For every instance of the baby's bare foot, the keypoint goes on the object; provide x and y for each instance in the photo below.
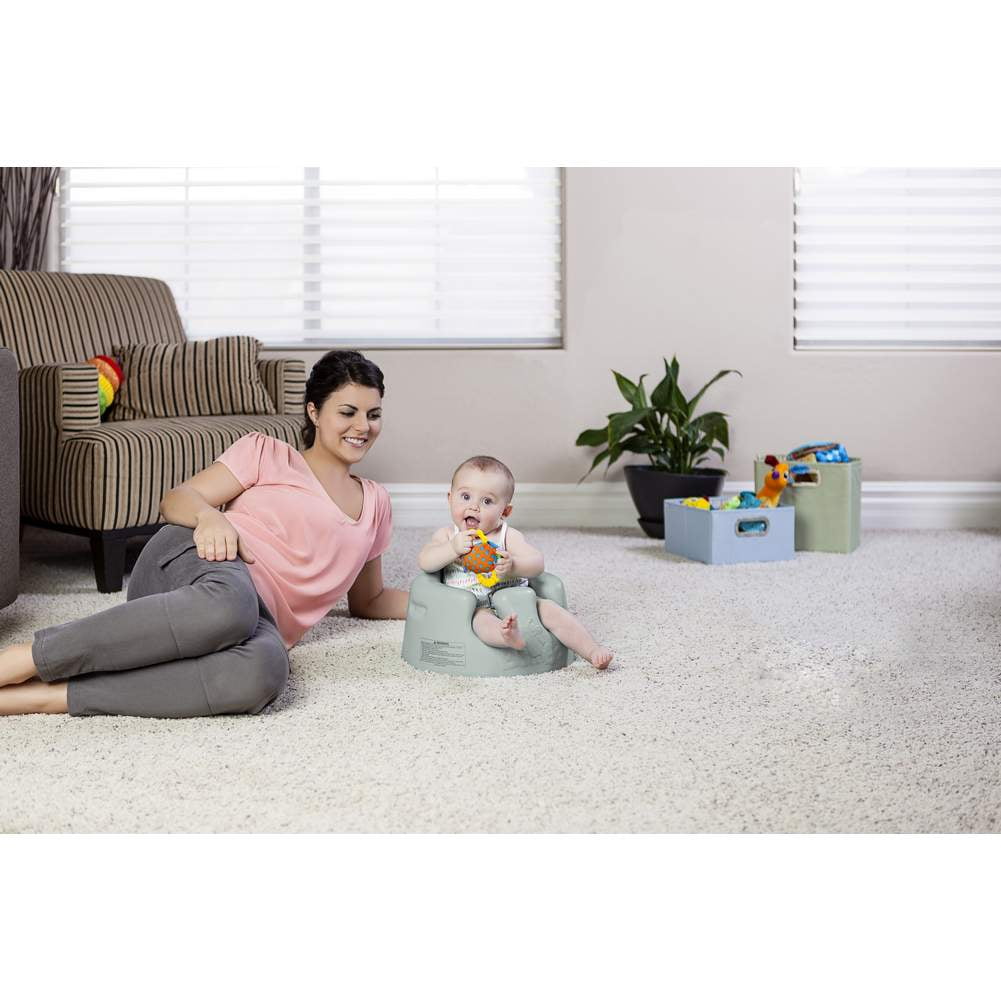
(511, 634)
(600, 657)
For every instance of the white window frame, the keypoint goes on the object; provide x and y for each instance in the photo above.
(897, 259)
(527, 212)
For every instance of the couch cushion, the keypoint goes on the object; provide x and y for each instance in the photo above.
(115, 475)
(211, 378)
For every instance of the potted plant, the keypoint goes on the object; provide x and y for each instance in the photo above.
(665, 428)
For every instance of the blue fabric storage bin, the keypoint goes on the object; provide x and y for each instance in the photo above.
(752, 535)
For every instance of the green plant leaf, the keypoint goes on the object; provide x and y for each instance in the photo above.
(592, 437)
(619, 424)
(601, 455)
(640, 443)
(715, 378)
(641, 400)
(628, 389)
(714, 426)
(679, 404)
(662, 396)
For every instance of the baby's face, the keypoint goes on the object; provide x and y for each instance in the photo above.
(478, 500)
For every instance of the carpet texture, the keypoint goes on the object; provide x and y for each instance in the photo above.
(830, 693)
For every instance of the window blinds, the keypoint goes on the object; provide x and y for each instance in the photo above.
(897, 258)
(319, 257)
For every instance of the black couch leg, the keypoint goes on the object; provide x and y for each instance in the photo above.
(109, 560)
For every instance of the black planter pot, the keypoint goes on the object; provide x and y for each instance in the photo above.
(650, 487)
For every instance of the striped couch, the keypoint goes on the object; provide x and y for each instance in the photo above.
(10, 548)
(106, 479)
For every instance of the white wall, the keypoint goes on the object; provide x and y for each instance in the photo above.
(695, 262)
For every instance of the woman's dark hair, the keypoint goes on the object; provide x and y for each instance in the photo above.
(333, 370)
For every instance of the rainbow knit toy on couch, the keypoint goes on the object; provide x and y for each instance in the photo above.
(109, 378)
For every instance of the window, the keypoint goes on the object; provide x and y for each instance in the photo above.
(897, 258)
(325, 257)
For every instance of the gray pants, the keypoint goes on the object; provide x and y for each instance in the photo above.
(193, 638)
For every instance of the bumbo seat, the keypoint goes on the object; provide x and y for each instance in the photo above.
(438, 635)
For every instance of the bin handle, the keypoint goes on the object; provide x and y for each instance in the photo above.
(757, 527)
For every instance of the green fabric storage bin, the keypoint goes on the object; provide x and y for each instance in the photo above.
(828, 502)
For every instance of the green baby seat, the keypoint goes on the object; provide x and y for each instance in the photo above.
(438, 635)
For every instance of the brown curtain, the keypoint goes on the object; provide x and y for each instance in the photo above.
(26, 195)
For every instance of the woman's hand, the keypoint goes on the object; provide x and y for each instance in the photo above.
(217, 539)
(464, 541)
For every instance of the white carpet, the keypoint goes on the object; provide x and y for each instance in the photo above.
(831, 693)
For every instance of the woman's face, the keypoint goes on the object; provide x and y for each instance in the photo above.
(348, 422)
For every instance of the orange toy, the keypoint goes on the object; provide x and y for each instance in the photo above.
(480, 560)
(775, 483)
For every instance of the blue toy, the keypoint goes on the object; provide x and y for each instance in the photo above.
(821, 451)
(741, 501)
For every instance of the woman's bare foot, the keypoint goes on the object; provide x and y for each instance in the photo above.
(34, 697)
(511, 634)
(600, 657)
(16, 664)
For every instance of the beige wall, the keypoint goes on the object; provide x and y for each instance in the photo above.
(695, 262)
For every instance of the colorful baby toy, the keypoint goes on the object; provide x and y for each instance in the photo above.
(481, 560)
(820, 451)
(781, 476)
(744, 499)
(739, 502)
(109, 378)
(775, 483)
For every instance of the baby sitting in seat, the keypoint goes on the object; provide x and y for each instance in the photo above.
(480, 500)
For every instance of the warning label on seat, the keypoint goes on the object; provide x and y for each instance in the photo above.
(438, 653)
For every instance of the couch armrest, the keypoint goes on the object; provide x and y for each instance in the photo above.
(60, 398)
(285, 381)
(10, 483)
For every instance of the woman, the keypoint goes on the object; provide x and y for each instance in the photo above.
(210, 614)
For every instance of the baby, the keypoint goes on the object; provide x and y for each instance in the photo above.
(480, 499)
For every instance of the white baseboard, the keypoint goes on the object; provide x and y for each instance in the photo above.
(913, 505)
(536, 505)
(931, 505)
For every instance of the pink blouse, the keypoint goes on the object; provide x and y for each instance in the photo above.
(307, 551)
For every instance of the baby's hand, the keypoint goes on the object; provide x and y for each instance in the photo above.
(464, 541)
(504, 567)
